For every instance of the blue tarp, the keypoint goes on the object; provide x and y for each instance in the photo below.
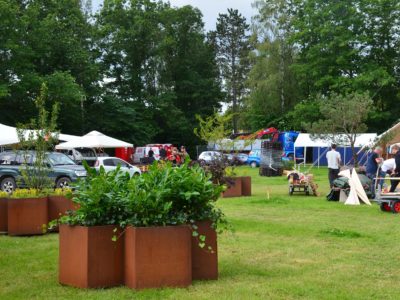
(347, 157)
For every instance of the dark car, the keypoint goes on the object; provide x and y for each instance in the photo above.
(62, 169)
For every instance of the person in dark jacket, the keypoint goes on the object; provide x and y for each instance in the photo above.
(396, 173)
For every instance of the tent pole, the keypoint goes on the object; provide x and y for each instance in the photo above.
(294, 157)
(319, 149)
(305, 156)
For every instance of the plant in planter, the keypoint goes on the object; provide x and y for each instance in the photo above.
(88, 257)
(214, 130)
(27, 209)
(157, 239)
(3, 211)
(27, 212)
(195, 194)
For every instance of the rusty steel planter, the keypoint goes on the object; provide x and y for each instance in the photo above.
(246, 186)
(234, 190)
(3, 215)
(158, 257)
(205, 261)
(89, 258)
(58, 207)
(27, 216)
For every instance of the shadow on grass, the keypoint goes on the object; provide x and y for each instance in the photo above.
(335, 232)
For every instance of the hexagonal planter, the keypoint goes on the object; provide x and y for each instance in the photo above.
(27, 216)
(158, 257)
(235, 190)
(57, 207)
(205, 260)
(3, 215)
(246, 186)
(89, 258)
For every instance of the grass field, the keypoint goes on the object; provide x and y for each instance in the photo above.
(283, 248)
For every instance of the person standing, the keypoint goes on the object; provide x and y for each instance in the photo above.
(396, 173)
(334, 160)
(373, 162)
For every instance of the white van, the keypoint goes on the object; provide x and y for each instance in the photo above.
(142, 152)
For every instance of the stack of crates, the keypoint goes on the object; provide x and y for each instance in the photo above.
(271, 159)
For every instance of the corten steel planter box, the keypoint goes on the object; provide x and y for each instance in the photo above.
(246, 186)
(88, 257)
(27, 216)
(3, 215)
(158, 257)
(58, 207)
(235, 190)
(205, 261)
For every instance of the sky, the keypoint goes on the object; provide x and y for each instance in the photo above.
(209, 8)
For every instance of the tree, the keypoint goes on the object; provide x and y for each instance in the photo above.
(342, 115)
(39, 135)
(232, 44)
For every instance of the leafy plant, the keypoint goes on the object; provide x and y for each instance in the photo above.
(27, 193)
(61, 192)
(101, 198)
(39, 135)
(4, 194)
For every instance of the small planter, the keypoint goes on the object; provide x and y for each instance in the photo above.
(235, 190)
(58, 207)
(246, 186)
(205, 261)
(158, 257)
(89, 258)
(27, 216)
(3, 215)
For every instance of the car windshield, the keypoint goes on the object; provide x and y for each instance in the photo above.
(59, 159)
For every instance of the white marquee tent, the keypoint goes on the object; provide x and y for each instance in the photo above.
(9, 136)
(94, 139)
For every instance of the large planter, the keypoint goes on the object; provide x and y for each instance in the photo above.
(58, 207)
(246, 186)
(234, 189)
(89, 258)
(158, 257)
(27, 216)
(205, 260)
(3, 215)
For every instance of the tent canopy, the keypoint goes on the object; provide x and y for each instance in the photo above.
(94, 139)
(9, 136)
(306, 140)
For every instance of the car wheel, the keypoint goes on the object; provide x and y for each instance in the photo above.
(8, 185)
(63, 182)
(253, 164)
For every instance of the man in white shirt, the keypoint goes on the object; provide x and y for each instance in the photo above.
(334, 160)
(389, 166)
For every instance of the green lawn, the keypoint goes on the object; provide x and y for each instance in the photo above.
(283, 248)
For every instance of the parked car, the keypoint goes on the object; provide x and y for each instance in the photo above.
(254, 158)
(63, 170)
(78, 155)
(241, 158)
(210, 156)
(111, 163)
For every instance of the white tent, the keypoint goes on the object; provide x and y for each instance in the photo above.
(305, 140)
(9, 136)
(357, 191)
(94, 139)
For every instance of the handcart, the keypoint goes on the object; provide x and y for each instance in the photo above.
(387, 201)
(300, 187)
(301, 184)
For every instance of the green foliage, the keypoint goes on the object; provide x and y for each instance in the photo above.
(214, 128)
(27, 193)
(4, 194)
(344, 115)
(102, 199)
(232, 46)
(164, 196)
(39, 135)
